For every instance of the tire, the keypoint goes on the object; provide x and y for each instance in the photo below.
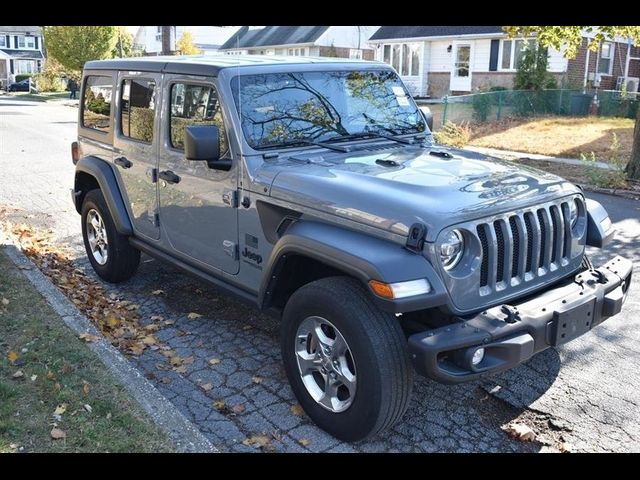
(122, 259)
(378, 351)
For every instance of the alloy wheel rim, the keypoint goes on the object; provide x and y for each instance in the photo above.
(97, 237)
(325, 363)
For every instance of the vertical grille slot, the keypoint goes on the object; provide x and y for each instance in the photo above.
(543, 238)
(501, 250)
(566, 245)
(558, 240)
(515, 234)
(529, 233)
(484, 268)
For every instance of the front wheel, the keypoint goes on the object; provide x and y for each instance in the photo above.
(346, 360)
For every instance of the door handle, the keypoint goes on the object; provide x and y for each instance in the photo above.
(123, 162)
(169, 177)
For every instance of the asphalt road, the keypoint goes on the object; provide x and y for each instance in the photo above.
(585, 393)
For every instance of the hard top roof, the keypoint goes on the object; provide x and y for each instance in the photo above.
(209, 64)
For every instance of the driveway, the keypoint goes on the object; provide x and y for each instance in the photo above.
(586, 393)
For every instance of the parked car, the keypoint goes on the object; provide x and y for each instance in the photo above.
(25, 85)
(312, 188)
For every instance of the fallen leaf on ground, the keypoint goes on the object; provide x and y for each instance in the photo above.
(304, 442)
(86, 389)
(133, 306)
(157, 292)
(219, 405)
(188, 360)
(66, 368)
(109, 416)
(149, 340)
(152, 327)
(176, 361)
(87, 407)
(206, 387)
(297, 410)
(113, 322)
(238, 408)
(214, 361)
(165, 380)
(24, 267)
(18, 374)
(87, 337)
(57, 387)
(565, 447)
(181, 369)
(50, 375)
(247, 327)
(34, 377)
(137, 349)
(169, 322)
(257, 440)
(156, 318)
(5, 301)
(12, 356)
(521, 432)
(58, 434)
(193, 316)
(257, 379)
(60, 409)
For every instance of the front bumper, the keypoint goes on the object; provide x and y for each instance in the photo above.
(510, 334)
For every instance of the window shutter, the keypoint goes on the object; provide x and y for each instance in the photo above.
(11, 65)
(493, 59)
(37, 46)
(16, 40)
(8, 41)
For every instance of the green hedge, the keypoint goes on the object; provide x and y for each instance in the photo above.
(23, 76)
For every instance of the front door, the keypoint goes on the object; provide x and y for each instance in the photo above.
(198, 213)
(135, 145)
(461, 68)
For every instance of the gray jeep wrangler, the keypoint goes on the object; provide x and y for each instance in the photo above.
(312, 189)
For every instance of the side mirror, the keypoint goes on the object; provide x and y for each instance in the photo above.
(202, 144)
(428, 117)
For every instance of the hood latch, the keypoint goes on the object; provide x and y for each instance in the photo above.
(417, 234)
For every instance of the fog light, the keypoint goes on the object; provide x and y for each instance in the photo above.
(477, 357)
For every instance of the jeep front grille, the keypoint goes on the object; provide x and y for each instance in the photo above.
(518, 247)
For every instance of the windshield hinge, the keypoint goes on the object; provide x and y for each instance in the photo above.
(415, 239)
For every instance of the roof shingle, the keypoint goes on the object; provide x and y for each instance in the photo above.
(392, 32)
(273, 35)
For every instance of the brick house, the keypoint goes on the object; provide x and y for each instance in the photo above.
(440, 60)
(20, 51)
(336, 41)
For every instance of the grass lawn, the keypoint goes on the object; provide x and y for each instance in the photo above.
(40, 97)
(45, 369)
(557, 136)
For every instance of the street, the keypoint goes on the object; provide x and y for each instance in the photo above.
(585, 394)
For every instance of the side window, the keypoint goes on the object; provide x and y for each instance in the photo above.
(194, 105)
(96, 104)
(137, 109)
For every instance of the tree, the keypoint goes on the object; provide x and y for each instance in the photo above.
(72, 46)
(186, 46)
(570, 38)
(124, 45)
(531, 73)
(166, 40)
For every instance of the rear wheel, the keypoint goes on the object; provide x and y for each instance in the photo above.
(346, 359)
(109, 252)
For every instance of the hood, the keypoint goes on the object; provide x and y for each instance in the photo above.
(394, 188)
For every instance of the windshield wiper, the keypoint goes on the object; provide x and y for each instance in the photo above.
(355, 136)
(302, 141)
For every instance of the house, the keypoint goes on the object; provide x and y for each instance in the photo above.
(20, 51)
(207, 39)
(336, 41)
(439, 60)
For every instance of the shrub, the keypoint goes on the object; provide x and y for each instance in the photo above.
(453, 135)
(47, 83)
(22, 76)
(610, 178)
(481, 103)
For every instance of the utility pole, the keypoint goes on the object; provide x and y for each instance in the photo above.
(166, 40)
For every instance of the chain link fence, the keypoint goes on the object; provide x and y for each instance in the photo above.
(500, 104)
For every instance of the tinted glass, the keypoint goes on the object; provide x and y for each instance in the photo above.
(96, 103)
(284, 107)
(194, 105)
(137, 109)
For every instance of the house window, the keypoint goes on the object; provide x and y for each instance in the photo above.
(194, 105)
(96, 103)
(30, 42)
(137, 109)
(355, 53)
(604, 62)
(21, 42)
(25, 66)
(3, 41)
(404, 58)
(512, 51)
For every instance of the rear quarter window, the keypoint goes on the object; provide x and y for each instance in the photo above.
(96, 103)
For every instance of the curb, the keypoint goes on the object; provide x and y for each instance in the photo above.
(186, 436)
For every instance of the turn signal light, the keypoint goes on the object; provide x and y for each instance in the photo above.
(400, 289)
(381, 289)
(75, 152)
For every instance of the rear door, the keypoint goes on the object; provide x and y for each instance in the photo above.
(198, 211)
(135, 145)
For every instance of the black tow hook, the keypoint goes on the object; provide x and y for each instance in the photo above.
(512, 314)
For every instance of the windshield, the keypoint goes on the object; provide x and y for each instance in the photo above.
(289, 108)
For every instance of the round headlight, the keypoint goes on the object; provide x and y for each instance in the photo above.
(573, 212)
(451, 249)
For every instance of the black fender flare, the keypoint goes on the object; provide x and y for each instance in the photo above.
(106, 178)
(359, 255)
